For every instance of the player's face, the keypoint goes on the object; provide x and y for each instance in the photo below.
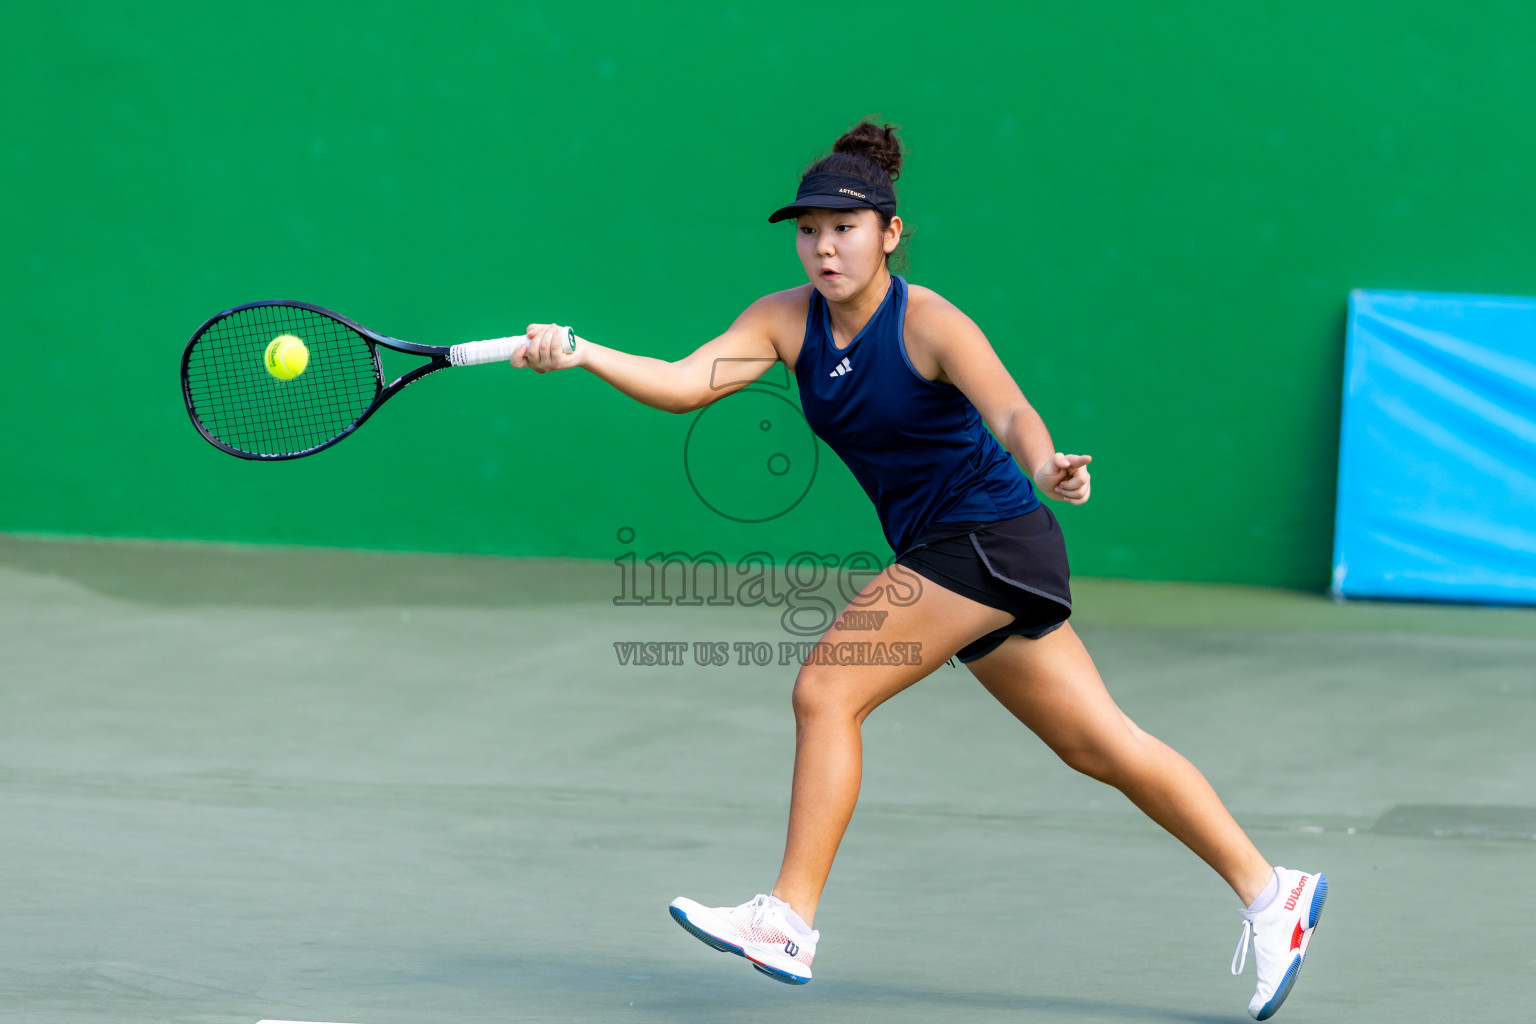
(844, 250)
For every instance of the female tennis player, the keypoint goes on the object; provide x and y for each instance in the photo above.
(904, 387)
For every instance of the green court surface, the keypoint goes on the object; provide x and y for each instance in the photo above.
(239, 784)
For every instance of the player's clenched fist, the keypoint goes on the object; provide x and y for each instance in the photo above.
(550, 347)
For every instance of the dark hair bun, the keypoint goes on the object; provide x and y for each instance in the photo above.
(874, 142)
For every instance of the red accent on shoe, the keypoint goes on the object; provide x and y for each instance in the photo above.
(1297, 935)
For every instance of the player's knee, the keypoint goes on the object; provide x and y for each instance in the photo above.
(817, 694)
(1089, 760)
(1109, 759)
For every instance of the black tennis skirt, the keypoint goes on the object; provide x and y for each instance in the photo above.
(1017, 565)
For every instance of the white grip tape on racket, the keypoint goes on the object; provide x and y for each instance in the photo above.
(497, 350)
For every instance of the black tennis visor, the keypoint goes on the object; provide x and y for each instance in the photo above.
(832, 190)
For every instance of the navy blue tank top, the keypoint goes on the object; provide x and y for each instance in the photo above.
(918, 447)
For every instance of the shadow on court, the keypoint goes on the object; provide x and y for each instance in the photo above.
(394, 789)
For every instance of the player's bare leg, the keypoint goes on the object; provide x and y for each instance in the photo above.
(1052, 686)
(831, 703)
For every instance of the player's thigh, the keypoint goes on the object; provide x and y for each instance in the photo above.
(898, 629)
(1053, 687)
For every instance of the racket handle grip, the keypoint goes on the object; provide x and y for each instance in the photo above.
(497, 350)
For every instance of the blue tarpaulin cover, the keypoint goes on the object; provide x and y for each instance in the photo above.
(1437, 449)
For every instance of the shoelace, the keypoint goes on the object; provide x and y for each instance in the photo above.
(760, 908)
(1240, 958)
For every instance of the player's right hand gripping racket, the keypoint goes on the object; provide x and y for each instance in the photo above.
(246, 400)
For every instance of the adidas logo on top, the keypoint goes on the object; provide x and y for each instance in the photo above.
(842, 368)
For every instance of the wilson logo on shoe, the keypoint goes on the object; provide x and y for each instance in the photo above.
(791, 948)
(842, 368)
(1295, 896)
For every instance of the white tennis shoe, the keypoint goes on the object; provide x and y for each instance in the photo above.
(765, 931)
(1281, 933)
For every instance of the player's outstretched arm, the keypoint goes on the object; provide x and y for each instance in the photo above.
(716, 369)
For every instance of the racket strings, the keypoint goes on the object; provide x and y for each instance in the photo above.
(243, 406)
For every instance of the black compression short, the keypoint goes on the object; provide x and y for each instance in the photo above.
(1016, 565)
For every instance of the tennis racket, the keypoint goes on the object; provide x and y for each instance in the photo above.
(242, 407)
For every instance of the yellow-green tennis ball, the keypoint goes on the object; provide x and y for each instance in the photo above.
(286, 357)
(295, 355)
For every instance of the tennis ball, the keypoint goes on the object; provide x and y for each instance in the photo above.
(286, 357)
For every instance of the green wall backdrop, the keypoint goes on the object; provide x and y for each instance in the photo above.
(1155, 210)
